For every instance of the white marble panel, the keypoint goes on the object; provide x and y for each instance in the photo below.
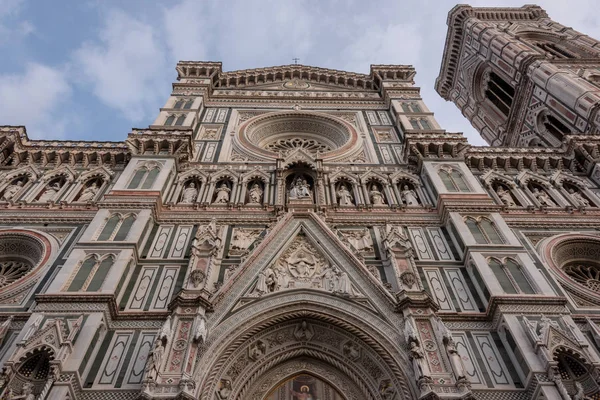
(161, 239)
(438, 288)
(461, 290)
(423, 251)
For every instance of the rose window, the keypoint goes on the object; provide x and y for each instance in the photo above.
(286, 145)
(585, 274)
(12, 270)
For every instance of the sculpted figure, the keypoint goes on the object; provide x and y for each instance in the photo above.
(580, 394)
(543, 198)
(33, 328)
(27, 390)
(223, 194)
(165, 331)
(578, 198)
(344, 196)
(343, 285)
(418, 359)
(266, 281)
(299, 189)
(12, 189)
(4, 330)
(304, 393)
(505, 197)
(89, 193)
(376, 196)
(201, 330)
(50, 192)
(255, 194)
(190, 194)
(154, 360)
(409, 196)
(225, 389)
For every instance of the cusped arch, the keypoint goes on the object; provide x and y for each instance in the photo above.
(331, 319)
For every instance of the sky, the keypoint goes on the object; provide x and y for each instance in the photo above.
(94, 69)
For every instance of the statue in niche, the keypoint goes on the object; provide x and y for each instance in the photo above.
(376, 196)
(578, 198)
(89, 193)
(154, 360)
(417, 356)
(12, 189)
(50, 192)
(304, 331)
(300, 190)
(409, 196)
(543, 197)
(223, 194)
(255, 194)
(344, 196)
(27, 392)
(505, 196)
(190, 194)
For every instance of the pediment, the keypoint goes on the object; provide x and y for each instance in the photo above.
(302, 254)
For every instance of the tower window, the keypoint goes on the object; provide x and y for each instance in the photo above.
(483, 230)
(453, 180)
(554, 50)
(500, 93)
(91, 274)
(553, 126)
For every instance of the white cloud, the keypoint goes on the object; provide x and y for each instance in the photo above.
(187, 30)
(12, 29)
(34, 98)
(125, 66)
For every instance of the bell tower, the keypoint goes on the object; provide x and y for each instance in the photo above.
(519, 77)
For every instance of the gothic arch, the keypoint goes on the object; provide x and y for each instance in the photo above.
(269, 339)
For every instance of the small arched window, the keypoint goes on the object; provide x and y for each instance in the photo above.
(144, 178)
(117, 228)
(499, 93)
(420, 123)
(188, 104)
(453, 180)
(169, 121)
(179, 103)
(511, 276)
(180, 120)
(91, 274)
(554, 126)
(483, 230)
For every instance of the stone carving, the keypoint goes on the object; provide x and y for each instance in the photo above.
(344, 196)
(190, 194)
(222, 194)
(224, 390)
(154, 360)
(50, 192)
(201, 330)
(242, 239)
(578, 198)
(89, 193)
(360, 240)
(300, 190)
(409, 196)
(255, 194)
(197, 276)
(376, 196)
(543, 197)
(304, 332)
(386, 389)
(580, 393)
(26, 392)
(257, 350)
(351, 350)
(455, 360)
(12, 189)
(166, 331)
(408, 279)
(415, 353)
(505, 197)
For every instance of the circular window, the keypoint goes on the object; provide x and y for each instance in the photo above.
(20, 254)
(269, 135)
(586, 274)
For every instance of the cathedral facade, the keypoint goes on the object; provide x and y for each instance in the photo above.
(301, 233)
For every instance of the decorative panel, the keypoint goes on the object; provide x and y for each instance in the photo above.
(165, 287)
(372, 118)
(466, 354)
(210, 115)
(114, 359)
(460, 288)
(182, 238)
(221, 115)
(209, 152)
(440, 244)
(491, 358)
(142, 290)
(160, 241)
(383, 116)
(420, 243)
(179, 346)
(144, 346)
(429, 345)
(398, 150)
(197, 150)
(386, 154)
(438, 288)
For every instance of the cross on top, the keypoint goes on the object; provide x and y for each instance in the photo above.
(296, 59)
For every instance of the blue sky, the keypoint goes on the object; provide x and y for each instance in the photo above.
(92, 69)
